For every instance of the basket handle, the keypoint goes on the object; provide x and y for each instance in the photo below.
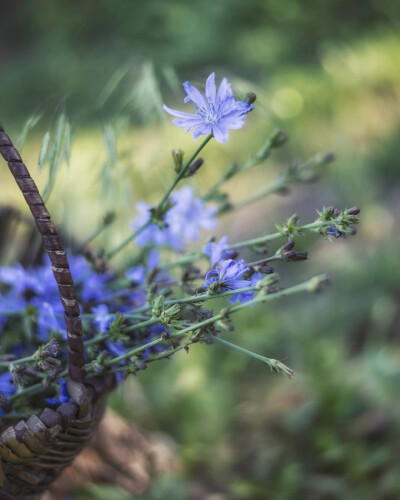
(55, 251)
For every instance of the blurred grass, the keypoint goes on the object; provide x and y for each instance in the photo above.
(330, 76)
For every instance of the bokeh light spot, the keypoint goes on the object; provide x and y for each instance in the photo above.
(287, 103)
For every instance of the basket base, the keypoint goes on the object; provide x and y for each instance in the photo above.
(34, 452)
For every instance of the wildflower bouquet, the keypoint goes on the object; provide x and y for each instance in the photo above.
(113, 321)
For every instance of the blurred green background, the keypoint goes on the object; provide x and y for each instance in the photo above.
(328, 73)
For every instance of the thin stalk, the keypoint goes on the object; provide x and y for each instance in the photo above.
(272, 188)
(184, 170)
(16, 361)
(274, 364)
(102, 226)
(257, 159)
(275, 236)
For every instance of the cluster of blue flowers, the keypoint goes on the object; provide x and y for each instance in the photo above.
(36, 287)
(129, 311)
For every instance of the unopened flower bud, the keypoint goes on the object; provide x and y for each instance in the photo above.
(177, 156)
(225, 325)
(268, 282)
(328, 212)
(230, 254)
(231, 170)
(329, 157)
(353, 211)
(140, 363)
(265, 269)
(288, 246)
(48, 363)
(278, 138)
(316, 284)
(250, 98)
(294, 256)
(109, 218)
(289, 255)
(282, 368)
(173, 312)
(166, 335)
(194, 167)
(158, 306)
(301, 256)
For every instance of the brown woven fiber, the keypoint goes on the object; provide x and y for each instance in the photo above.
(34, 451)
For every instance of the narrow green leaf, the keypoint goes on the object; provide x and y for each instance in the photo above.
(146, 100)
(172, 79)
(67, 143)
(55, 153)
(112, 84)
(44, 148)
(29, 125)
(111, 145)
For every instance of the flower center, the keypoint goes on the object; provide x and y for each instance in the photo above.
(209, 114)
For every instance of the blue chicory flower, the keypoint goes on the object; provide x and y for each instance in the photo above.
(47, 321)
(21, 279)
(333, 231)
(184, 220)
(216, 251)
(10, 302)
(7, 388)
(215, 113)
(138, 274)
(152, 235)
(116, 349)
(188, 215)
(229, 276)
(103, 318)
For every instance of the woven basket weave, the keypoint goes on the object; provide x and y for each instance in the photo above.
(33, 452)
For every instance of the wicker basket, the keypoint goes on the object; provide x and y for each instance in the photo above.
(33, 452)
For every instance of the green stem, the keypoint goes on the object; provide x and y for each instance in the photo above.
(133, 352)
(149, 322)
(275, 236)
(184, 170)
(16, 361)
(257, 159)
(130, 238)
(30, 391)
(102, 226)
(272, 188)
(274, 364)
